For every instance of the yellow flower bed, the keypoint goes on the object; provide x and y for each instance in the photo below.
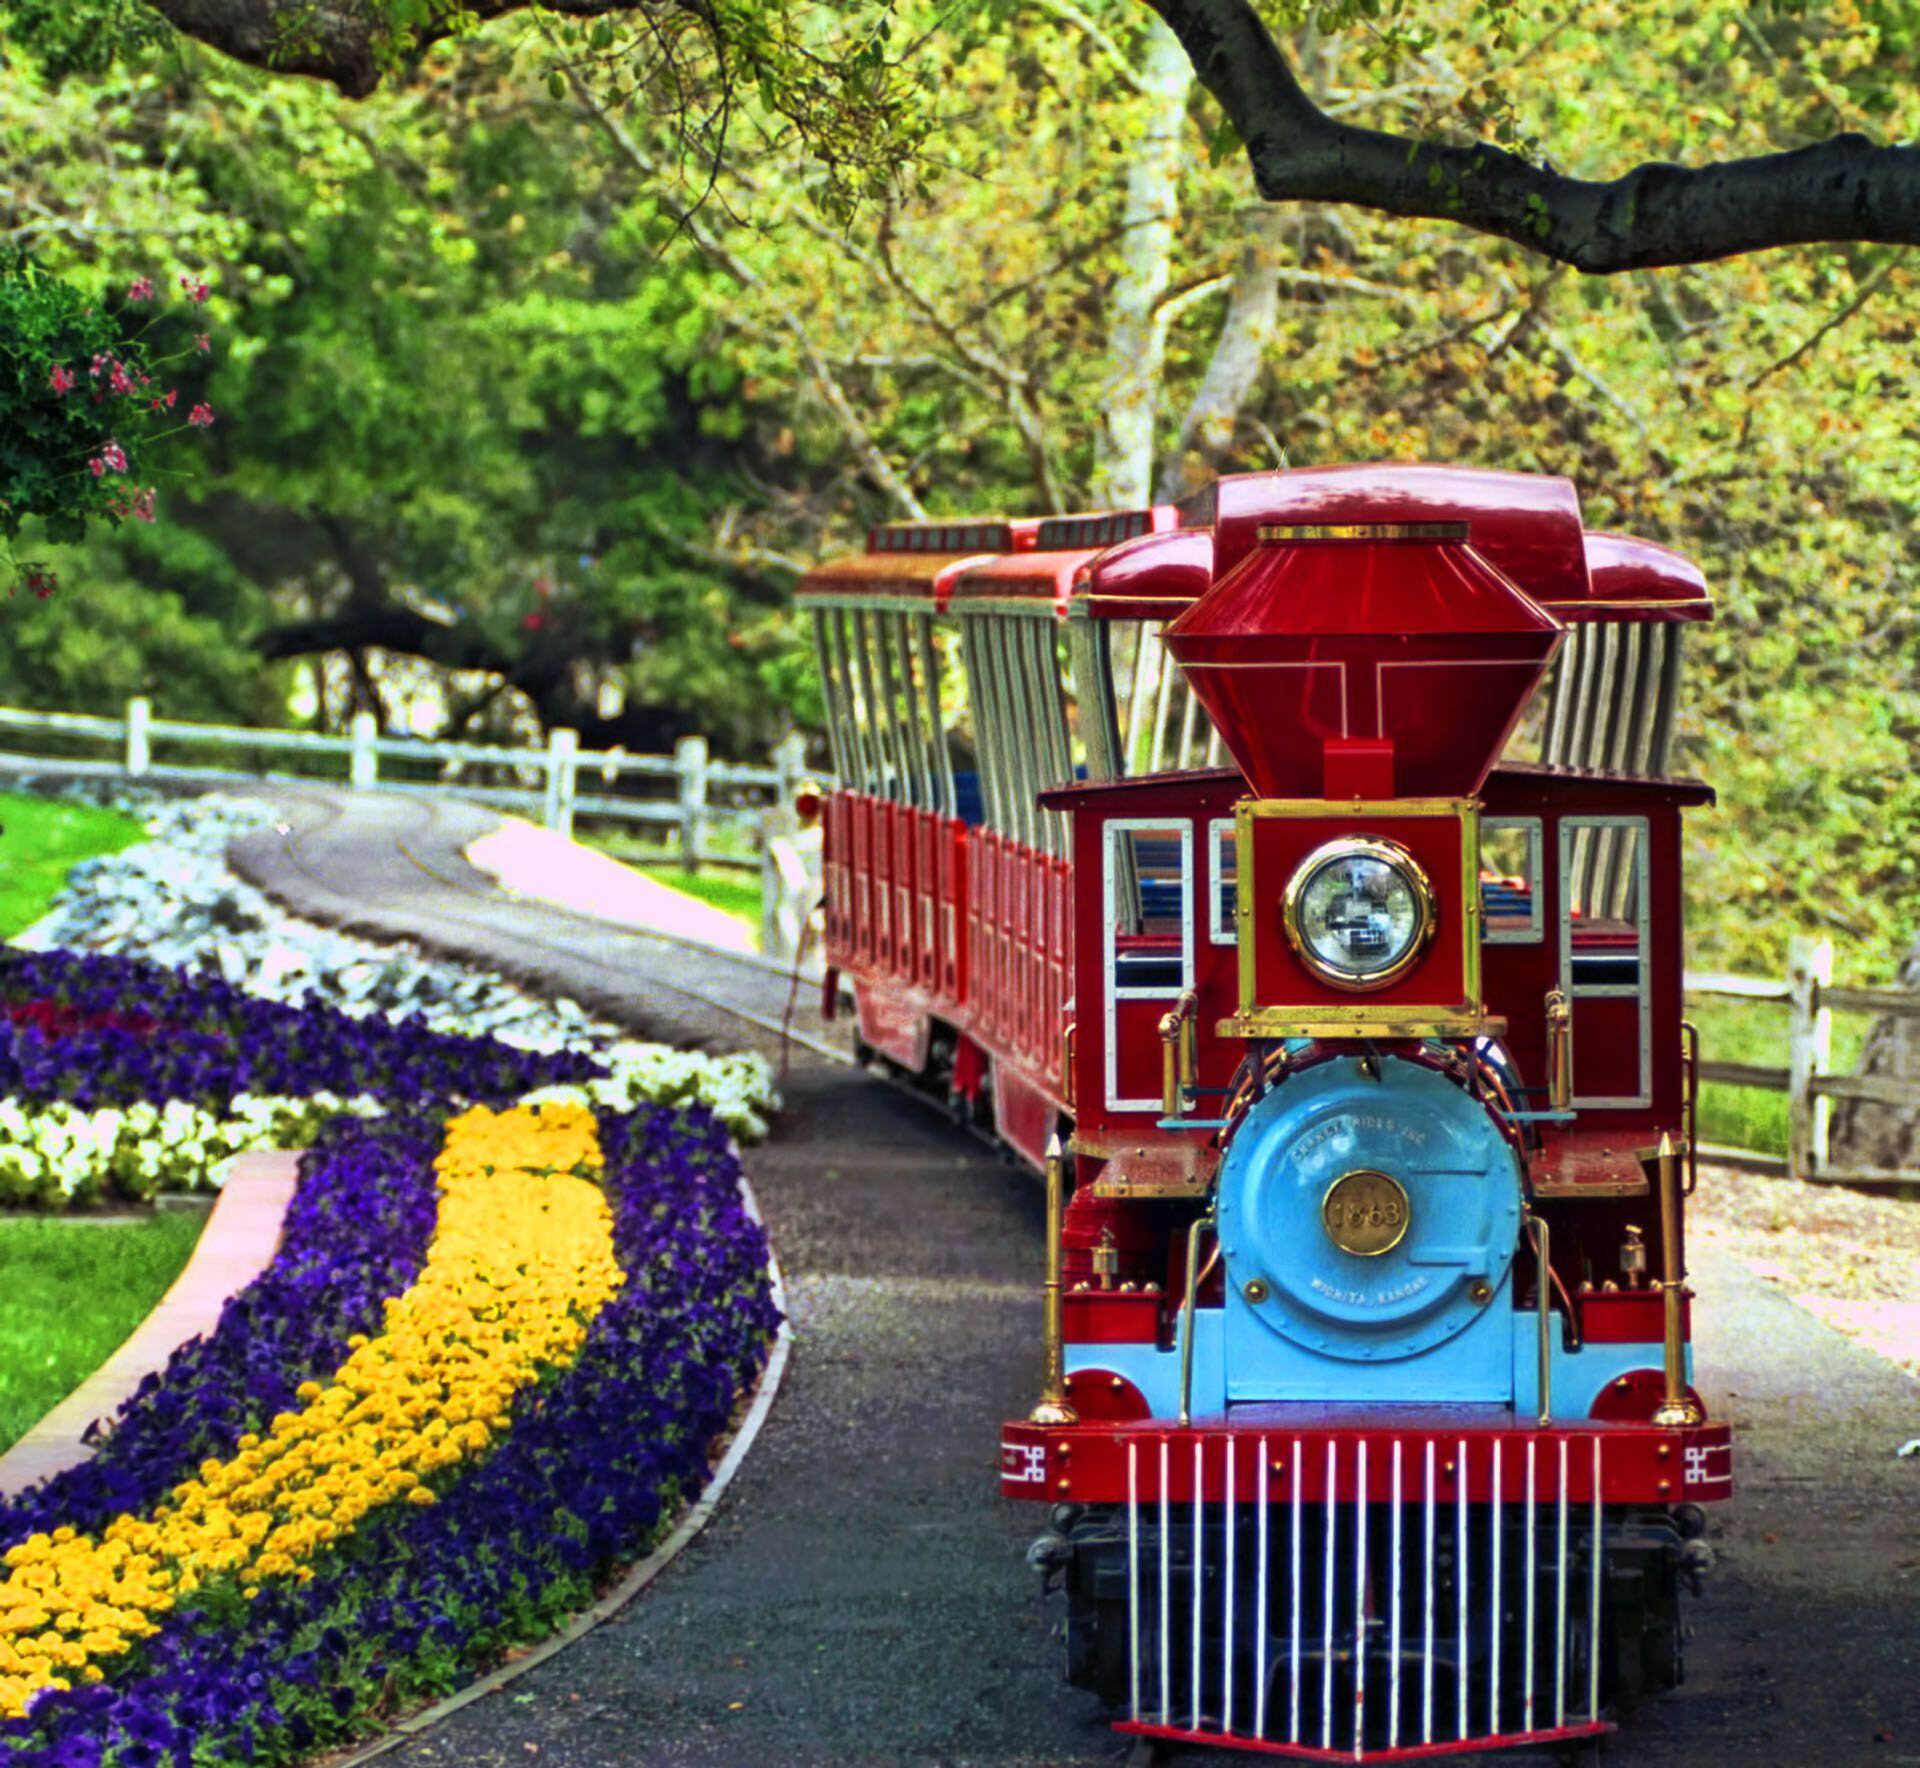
(520, 1262)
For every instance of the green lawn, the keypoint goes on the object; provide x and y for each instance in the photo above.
(41, 842)
(735, 893)
(70, 1292)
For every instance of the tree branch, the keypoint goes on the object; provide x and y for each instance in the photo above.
(873, 461)
(1120, 60)
(1865, 293)
(1233, 369)
(348, 45)
(1844, 188)
(1009, 377)
(386, 627)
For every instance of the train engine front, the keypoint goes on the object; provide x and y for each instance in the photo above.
(1367, 1425)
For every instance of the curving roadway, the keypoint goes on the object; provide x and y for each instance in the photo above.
(859, 1597)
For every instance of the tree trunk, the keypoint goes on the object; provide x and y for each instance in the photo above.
(1885, 1136)
(1233, 371)
(1137, 340)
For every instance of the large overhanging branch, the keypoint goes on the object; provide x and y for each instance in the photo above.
(344, 42)
(385, 627)
(1844, 188)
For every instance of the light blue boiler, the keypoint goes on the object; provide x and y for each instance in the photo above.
(1369, 1212)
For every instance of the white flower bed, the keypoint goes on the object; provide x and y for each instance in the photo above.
(57, 1154)
(737, 1089)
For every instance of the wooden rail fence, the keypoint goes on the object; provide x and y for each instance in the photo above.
(1812, 998)
(693, 800)
(700, 795)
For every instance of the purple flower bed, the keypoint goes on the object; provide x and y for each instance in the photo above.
(597, 1460)
(203, 1040)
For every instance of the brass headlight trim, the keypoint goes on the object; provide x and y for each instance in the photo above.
(1389, 853)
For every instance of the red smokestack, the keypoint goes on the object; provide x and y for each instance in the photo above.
(1364, 661)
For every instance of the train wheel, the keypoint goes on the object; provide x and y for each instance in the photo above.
(1644, 1645)
(1097, 1652)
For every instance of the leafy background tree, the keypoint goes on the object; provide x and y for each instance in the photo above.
(555, 358)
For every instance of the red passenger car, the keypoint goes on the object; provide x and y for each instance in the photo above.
(1185, 849)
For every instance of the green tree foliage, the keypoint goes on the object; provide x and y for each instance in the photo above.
(469, 412)
(486, 333)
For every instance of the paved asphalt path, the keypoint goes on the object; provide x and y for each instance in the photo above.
(859, 1597)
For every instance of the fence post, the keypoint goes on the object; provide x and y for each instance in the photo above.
(690, 763)
(1809, 1054)
(790, 762)
(563, 750)
(363, 764)
(139, 746)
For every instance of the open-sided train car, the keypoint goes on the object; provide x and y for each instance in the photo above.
(1183, 847)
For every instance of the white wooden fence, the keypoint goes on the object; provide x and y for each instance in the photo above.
(552, 776)
(1812, 998)
(697, 798)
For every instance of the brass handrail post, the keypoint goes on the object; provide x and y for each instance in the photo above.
(1559, 1051)
(1177, 1054)
(1543, 1286)
(1202, 1225)
(1676, 1408)
(1053, 1407)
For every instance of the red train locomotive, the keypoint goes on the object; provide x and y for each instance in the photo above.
(1353, 1053)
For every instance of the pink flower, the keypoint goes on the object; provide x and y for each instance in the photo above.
(141, 290)
(62, 379)
(201, 341)
(120, 381)
(173, 397)
(195, 289)
(43, 583)
(201, 416)
(102, 360)
(96, 466)
(115, 456)
(143, 505)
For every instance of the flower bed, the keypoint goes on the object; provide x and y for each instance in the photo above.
(430, 1429)
(120, 1078)
(96, 1031)
(264, 1660)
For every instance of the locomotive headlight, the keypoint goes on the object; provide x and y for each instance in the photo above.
(1359, 912)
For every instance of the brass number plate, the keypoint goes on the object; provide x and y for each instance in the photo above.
(1366, 1213)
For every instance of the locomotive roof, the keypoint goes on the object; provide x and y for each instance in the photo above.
(1150, 563)
(1506, 779)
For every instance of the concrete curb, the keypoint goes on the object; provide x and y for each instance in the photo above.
(635, 1581)
(237, 1244)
